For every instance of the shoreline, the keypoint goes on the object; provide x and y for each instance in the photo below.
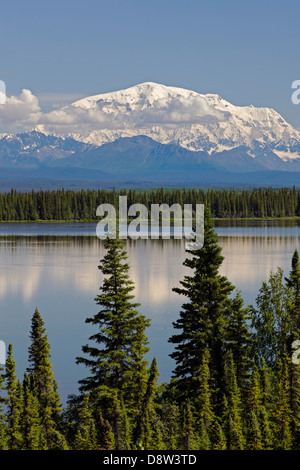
(89, 221)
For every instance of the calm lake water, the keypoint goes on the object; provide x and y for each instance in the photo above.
(55, 267)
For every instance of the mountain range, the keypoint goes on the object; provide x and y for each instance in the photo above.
(150, 135)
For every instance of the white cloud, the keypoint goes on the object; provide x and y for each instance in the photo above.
(179, 111)
(20, 112)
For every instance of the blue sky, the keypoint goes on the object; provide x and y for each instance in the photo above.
(247, 51)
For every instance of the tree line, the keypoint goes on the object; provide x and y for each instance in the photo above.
(81, 205)
(235, 383)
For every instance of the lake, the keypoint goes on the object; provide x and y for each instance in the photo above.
(54, 267)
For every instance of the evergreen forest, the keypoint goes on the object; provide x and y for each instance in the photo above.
(69, 205)
(235, 383)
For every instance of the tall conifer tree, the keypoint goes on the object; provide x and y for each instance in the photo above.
(14, 403)
(40, 370)
(282, 414)
(31, 423)
(2, 413)
(234, 421)
(204, 315)
(85, 437)
(293, 281)
(120, 339)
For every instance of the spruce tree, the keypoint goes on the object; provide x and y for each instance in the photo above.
(116, 360)
(136, 376)
(253, 411)
(266, 408)
(217, 437)
(117, 420)
(254, 398)
(2, 413)
(187, 436)
(254, 438)
(105, 435)
(282, 414)
(203, 407)
(40, 371)
(14, 403)
(126, 428)
(239, 339)
(146, 432)
(142, 419)
(157, 442)
(204, 315)
(31, 423)
(295, 404)
(85, 437)
(233, 409)
(169, 415)
(265, 429)
(293, 281)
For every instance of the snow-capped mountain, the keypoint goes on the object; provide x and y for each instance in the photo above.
(194, 121)
(153, 134)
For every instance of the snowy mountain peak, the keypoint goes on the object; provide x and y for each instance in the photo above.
(136, 97)
(167, 114)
